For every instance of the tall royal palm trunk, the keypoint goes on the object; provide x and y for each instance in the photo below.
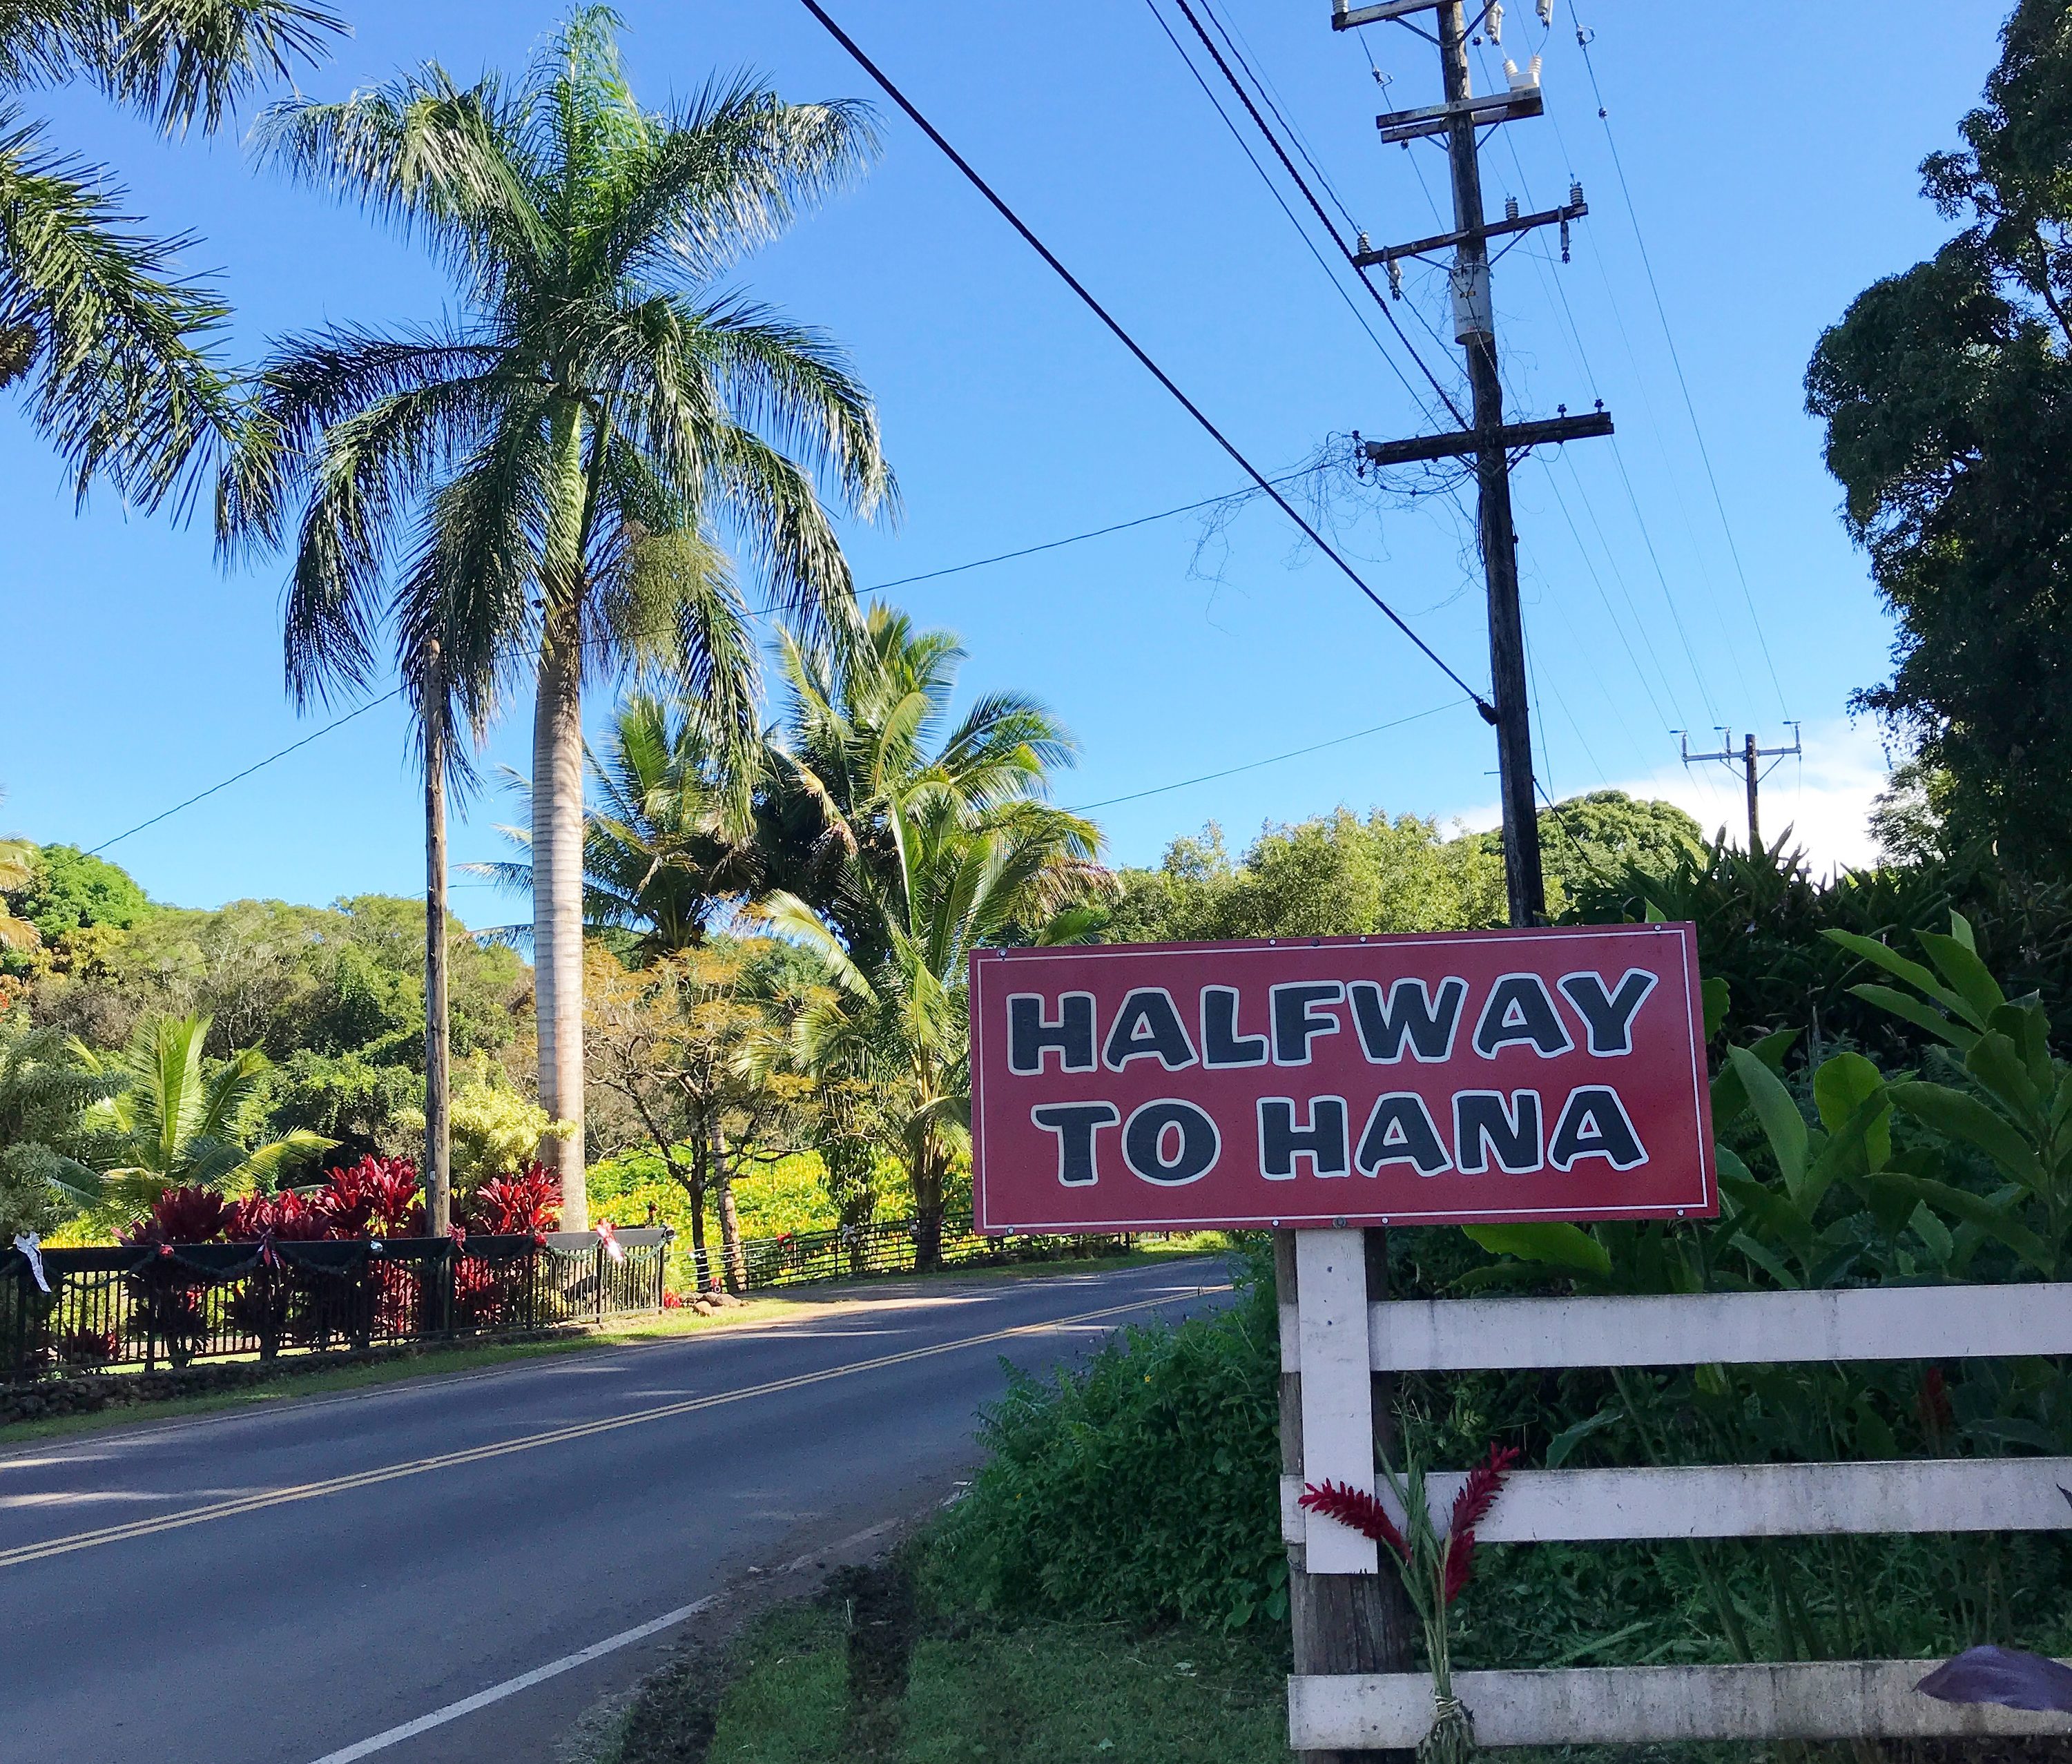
(438, 1130)
(557, 825)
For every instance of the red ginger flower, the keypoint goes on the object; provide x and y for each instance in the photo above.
(1357, 1508)
(1471, 1507)
(1366, 1515)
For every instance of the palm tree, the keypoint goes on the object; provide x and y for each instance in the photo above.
(663, 855)
(175, 1121)
(871, 730)
(896, 1020)
(113, 345)
(559, 464)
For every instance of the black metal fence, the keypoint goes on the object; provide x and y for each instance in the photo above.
(892, 1247)
(169, 1305)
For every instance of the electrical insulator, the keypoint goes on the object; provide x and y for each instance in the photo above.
(1510, 207)
(1546, 14)
(1564, 241)
(1496, 21)
(1364, 247)
(1394, 280)
(1527, 80)
(1576, 193)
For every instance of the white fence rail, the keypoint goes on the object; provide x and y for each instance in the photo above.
(1752, 1500)
(1634, 1705)
(1728, 1329)
(1622, 1705)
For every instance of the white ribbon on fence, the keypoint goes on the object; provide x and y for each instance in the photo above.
(612, 1246)
(30, 1246)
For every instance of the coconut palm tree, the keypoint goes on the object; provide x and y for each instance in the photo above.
(894, 1017)
(113, 346)
(663, 855)
(176, 1121)
(560, 466)
(871, 730)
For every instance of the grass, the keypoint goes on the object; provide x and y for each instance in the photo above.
(863, 1674)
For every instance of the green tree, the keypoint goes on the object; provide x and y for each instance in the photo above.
(1948, 394)
(179, 1119)
(113, 347)
(663, 851)
(557, 466)
(46, 1091)
(1334, 876)
(66, 890)
(893, 1015)
(871, 731)
(1604, 833)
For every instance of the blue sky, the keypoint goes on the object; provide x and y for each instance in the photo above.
(1769, 151)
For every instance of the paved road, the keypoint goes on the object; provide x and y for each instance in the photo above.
(283, 1587)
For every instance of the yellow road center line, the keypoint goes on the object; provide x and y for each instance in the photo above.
(476, 1454)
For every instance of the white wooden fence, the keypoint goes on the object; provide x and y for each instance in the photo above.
(1815, 1700)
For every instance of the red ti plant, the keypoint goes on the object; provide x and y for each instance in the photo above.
(285, 1217)
(527, 1204)
(190, 1215)
(372, 1196)
(1434, 1567)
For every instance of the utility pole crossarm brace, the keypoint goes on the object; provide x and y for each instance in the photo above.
(1446, 241)
(1468, 440)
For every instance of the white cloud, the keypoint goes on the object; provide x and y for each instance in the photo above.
(1824, 798)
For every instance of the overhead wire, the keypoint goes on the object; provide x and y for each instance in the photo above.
(259, 765)
(1560, 294)
(753, 612)
(1337, 287)
(1583, 38)
(1114, 326)
(1344, 248)
(1254, 765)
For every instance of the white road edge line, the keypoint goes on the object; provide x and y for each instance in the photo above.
(467, 1705)
(511, 1687)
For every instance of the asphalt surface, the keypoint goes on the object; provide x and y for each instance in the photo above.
(288, 1585)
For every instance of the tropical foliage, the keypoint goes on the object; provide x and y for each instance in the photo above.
(47, 1092)
(178, 1120)
(556, 471)
(115, 349)
(1947, 393)
(918, 840)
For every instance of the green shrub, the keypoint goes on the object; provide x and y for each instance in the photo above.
(1143, 1486)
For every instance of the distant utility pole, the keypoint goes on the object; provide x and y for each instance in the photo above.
(1745, 761)
(1491, 440)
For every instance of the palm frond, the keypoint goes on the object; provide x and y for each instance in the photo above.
(119, 346)
(184, 61)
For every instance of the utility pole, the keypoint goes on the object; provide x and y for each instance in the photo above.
(1746, 760)
(1489, 439)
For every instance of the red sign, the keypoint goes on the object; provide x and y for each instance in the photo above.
(1458, 1077)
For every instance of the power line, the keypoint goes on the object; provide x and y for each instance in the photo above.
(1253, 765)
(870, 67)
(239, 777)
(1309, 196)
(1053, 544)
(1583, 41)
(753, 612)
(1265, 178)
